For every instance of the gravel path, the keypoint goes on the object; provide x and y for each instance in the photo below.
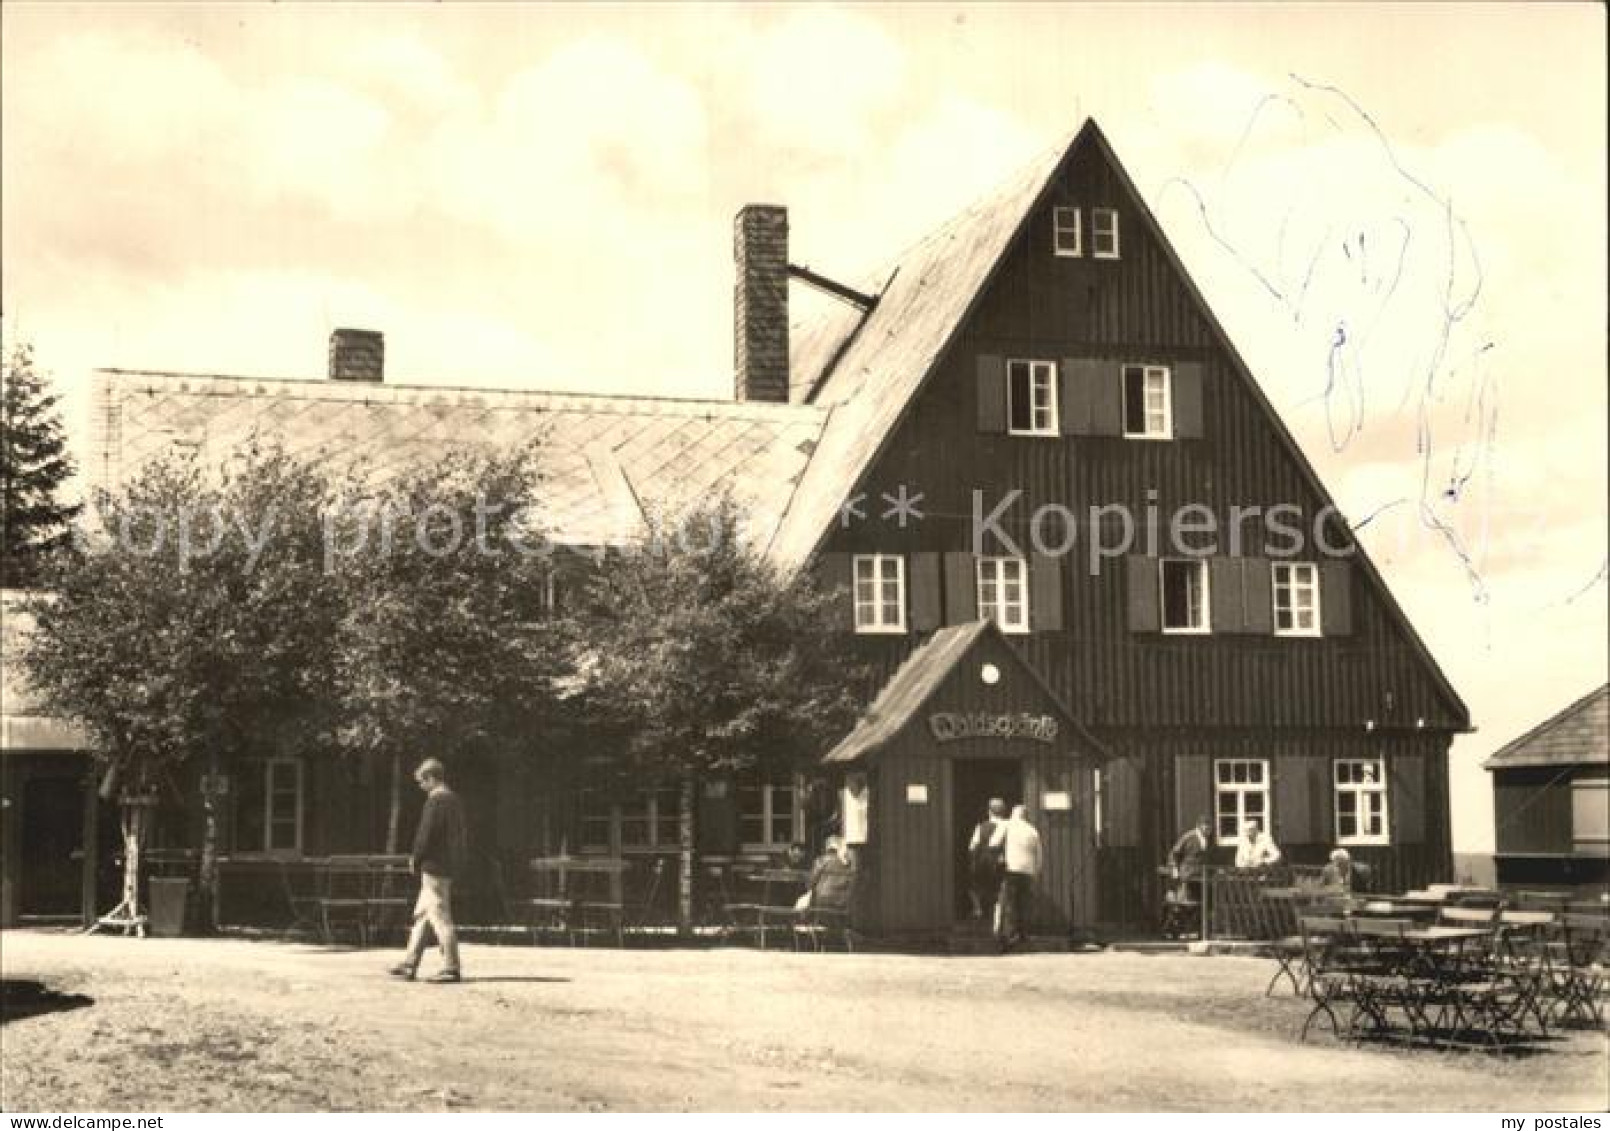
(235, 1025)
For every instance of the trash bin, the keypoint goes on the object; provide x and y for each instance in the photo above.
(168, 898)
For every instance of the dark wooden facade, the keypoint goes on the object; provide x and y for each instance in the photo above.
(1164, 705)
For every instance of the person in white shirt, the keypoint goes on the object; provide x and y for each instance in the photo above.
(1256, 848)
(1019, 842)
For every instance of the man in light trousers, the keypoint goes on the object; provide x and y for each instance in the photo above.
(438, 856)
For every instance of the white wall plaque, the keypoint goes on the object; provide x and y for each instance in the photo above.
(1057, 800)
(916, 793)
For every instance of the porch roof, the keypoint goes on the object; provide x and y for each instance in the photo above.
(916, 681)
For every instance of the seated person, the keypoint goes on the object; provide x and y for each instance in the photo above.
(1256, 849)
(1187, 856)
(832, 877)
(1341, 874)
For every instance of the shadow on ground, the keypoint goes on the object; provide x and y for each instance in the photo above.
(20, 998)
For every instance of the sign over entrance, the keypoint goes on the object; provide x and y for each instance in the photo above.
(947, 726)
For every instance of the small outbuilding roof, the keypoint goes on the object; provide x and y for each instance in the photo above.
(1577, 736)
(920, 677)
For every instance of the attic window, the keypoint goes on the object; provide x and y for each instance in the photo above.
(1148, 407)
(1104, 233)
(1065, 239)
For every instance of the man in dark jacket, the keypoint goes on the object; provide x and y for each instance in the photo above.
(438, 856)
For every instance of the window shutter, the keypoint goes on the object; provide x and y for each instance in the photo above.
(1187, 400)
(1077, 378)
(926, 614)
(1226, 612)
(1193, 790)
(1045, 593)
(718, 815)
(991, 393)
(834, 573)
(961, 588)
(1406, 798)
(1107, 401)
(1293, 800)
(1122, 797)
(1144, 614)
(1257, 596)
(1336, 598)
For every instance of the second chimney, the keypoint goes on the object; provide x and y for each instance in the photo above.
(357, 355)
(760, 304)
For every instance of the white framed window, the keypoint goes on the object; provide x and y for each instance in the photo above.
(1031, 398)
(1240, 794)
(1590, 814)
(1184, 598)
(880, 593)
(771, 814)
(1148, 403)
(1296, 590)
(1065, 236)
(1104, 233)
(1003, 592)
(1360, 801)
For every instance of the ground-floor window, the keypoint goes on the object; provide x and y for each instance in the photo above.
(1360, 801)
(770, 814)
(1240, 794)
(1590, 814)
(645, 819)
(269, 803)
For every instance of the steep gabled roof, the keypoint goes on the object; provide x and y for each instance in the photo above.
(867, 369)
(602, 458)
(881, 361)
(1577, 736)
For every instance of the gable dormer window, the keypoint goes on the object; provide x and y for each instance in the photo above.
(1031, 398)
(1104, 233)
(1065, 233)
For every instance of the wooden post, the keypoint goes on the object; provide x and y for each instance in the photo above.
(91, 840)
(684, 878)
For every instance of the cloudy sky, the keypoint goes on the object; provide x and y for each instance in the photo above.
(1398, 212)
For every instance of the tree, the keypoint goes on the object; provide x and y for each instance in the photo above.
(34, 467)
(705, 658)
(194, 625)
(444, 647)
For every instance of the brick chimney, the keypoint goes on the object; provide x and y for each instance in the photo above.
(357, 355)
(760, 304)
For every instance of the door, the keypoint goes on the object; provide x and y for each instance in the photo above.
(52, 832)
(977, 781)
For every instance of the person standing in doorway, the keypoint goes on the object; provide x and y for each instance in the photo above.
(438, 856)
(984, 861)
(1020, 848)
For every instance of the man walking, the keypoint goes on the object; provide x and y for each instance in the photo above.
(1020, 845)
(438, 856)
(984, 861)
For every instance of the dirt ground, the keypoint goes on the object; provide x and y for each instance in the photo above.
(236, 1025)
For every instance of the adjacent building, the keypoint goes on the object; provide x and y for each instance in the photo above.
(1551, 801)
(989, 449)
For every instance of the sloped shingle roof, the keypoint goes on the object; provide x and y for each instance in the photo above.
(1578, 735)
(868, 367)
(602, 458)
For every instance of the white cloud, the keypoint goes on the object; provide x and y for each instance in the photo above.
(819, 77)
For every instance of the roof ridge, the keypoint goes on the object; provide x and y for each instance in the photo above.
(369, 392)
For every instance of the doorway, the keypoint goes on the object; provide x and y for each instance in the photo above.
(52, 835)
(976, 781)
